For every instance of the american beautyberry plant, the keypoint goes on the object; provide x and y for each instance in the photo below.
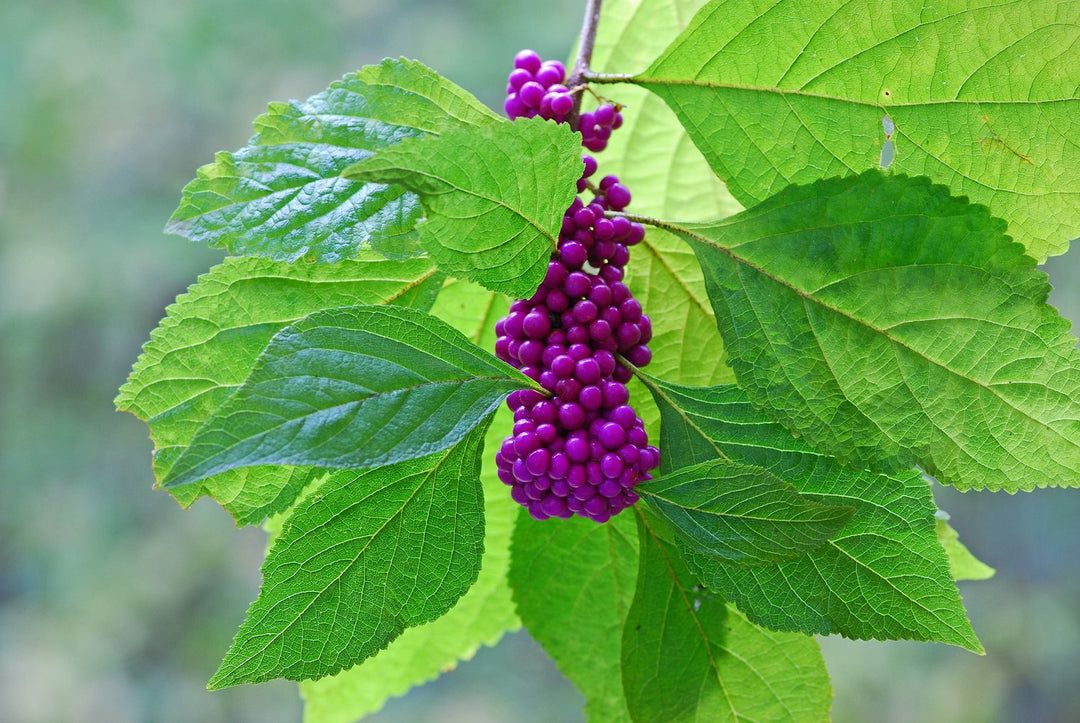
(468, 384)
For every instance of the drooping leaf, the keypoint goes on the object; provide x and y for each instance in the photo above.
(894, 324)
(283, 196)
(210, 338)
(352, 388)
(482, 614)
(963, 564)
(360, 560)
(422, 653)
(883, 576)
(573, 581)
(494, 197)
(982, 96)
(740, 514)
(688, 656)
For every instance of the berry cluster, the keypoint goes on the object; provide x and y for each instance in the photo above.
(580, 449)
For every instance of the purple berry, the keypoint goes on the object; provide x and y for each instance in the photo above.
(528, 60)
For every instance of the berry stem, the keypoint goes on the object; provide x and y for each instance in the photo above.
(584, 54)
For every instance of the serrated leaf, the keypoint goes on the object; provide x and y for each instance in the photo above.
(422, 653)
(482, 614)
(352, 388)
(963, 564)
(360, 560)
(883, 576)
(980, 95)
(894, 324)
(209, 340)
(740, 514)
(494, 197)
(688, 656)
(283, 196)
(573, 582)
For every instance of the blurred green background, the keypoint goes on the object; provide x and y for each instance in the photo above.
(117, 606)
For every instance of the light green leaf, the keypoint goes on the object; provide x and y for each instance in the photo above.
(573, 581)
(283, 196)
(963, 564)
(364, 557)
(486, 611)
(653, 156)
(883, 576)
(422, 653)
(651, 153)
(209, 340)
(494, 197)
(352, 388)
(688, 656)
(739, 514)
(981, 95)
(894, 324)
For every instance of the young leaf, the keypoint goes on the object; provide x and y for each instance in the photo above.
(883, 576)
(963, 564)
(352, 388)
(860, 310)
(687, 656)
(573, 582)
(209, 340)
(283, 196)
(494, 197)
(421, 653)
(356, 564)
(979, 111)
(739, 514)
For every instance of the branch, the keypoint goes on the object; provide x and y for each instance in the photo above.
(584, 54)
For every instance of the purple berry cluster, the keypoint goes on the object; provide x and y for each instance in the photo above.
(535, 88)
(580, 448)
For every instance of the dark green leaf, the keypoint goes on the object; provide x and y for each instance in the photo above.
(883, 576)
(283, 196)
(573, 581)
(210, 338)
(421, 653)
(980, 95)
(688, 656)
(494, 197)
(354, 387)
(366, 556)
(740, 514)
(893, 324)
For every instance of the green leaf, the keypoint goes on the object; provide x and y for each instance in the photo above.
(981, 96)
(740, 514)
(963, 564)
(283, 196)
(422, 653)
(688, 656)
(573, 581)
(894, 324)
(352, 388)
(209, 340)
(494, 197)
(883, 576)
(364, 557)
(652, 153)
(486, 611)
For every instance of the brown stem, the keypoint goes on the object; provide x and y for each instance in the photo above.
(584, 54)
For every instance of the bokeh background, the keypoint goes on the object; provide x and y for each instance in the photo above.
(117, 606)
